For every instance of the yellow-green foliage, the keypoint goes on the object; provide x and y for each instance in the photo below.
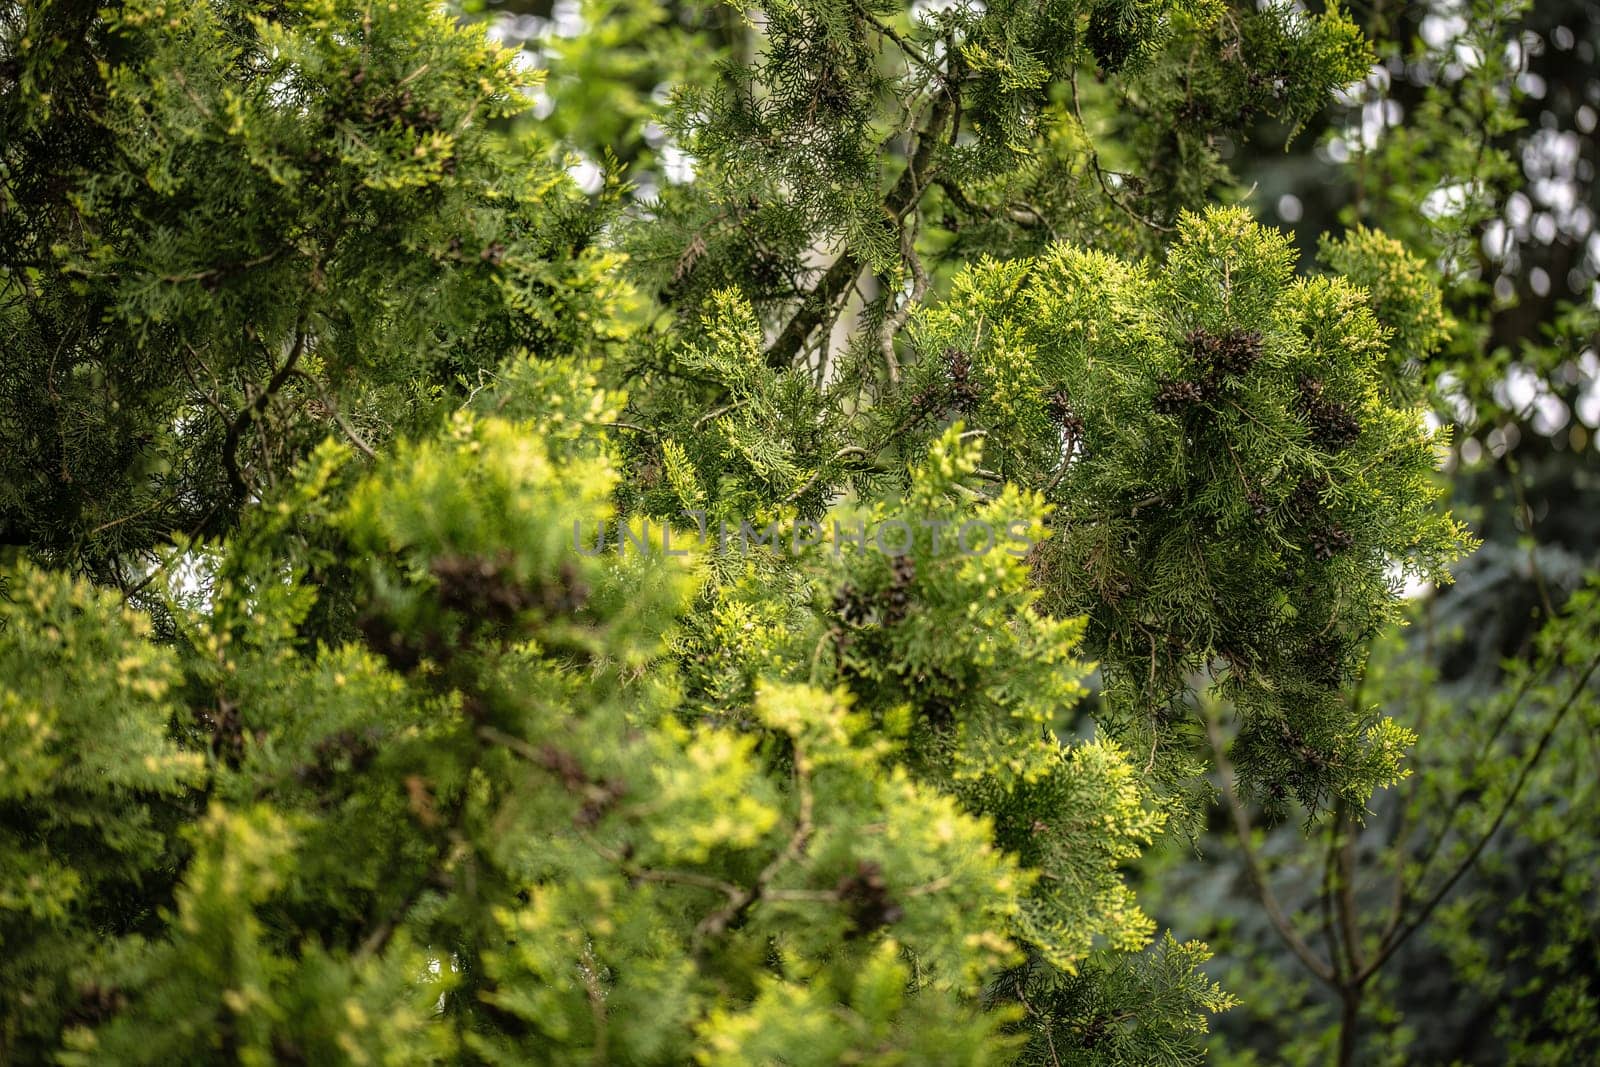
(1236, 486)
(268, 223)
(503, 806)
(1403, 296)
(324, 373)
(973, 692)
(91, 783)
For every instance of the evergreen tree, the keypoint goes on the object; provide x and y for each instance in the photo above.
(1443, 924)
(328, 734)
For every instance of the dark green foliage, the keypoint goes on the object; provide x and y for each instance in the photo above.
(1497, 969)
(228, 233)
(1123, 1009)
(1120, 32)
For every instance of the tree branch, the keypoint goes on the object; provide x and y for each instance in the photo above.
(338, 418)
(1100, 175)
(718, 921)
(1411, 927)
(817, 310)
(919, 289)
(252, 411)
(1241, 825)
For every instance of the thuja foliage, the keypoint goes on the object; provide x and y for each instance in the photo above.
(1441, 925)
(300, 215)
(327, 740)
(1237, 477)
(484, 831)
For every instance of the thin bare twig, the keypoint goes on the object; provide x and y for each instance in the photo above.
(338, 418)
(1407, 929)
(919, 288)
(1100, 174)
(847, 450)
(818, 308)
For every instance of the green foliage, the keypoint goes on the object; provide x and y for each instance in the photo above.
(850, 117)
(233, 229)
(90, 786)
(1224, 76)
(328, 734)
(1442, 146)
(1404, 299)
(1469, 878)
(218, 991)
(1125, 1009)
(973, 690)
(1523, 946)
(505, 777)
(728, 436)
(1234, 484)
(603, 80)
